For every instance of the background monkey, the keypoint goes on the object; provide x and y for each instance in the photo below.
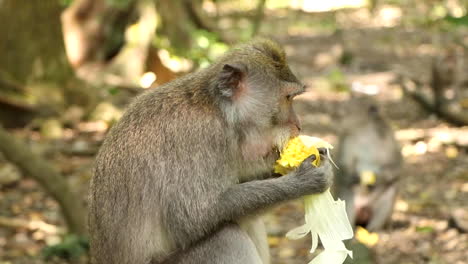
(367, 147)
(180, 177)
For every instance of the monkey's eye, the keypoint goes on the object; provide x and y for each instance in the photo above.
(278, 66)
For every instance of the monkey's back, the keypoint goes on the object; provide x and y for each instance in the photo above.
(138, 169)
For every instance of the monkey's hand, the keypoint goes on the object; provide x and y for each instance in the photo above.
(309, 179)
(325, 217)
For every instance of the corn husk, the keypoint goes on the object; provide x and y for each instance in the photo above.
(325, 218)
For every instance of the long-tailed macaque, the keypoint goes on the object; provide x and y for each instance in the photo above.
(182, 176)
(369, 161)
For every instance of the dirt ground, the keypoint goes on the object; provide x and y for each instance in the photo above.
(433, 185)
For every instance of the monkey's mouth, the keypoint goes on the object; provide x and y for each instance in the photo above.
(274, 154)
(278, 142)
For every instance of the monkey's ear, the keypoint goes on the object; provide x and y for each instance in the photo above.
(231, 79)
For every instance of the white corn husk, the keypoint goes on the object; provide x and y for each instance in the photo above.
(326, 219)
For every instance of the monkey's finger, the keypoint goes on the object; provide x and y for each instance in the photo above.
(307, 163)
(310, 159)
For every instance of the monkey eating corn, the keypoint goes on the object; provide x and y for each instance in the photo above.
(324, 217)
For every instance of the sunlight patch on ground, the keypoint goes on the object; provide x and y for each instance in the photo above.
(322, 6)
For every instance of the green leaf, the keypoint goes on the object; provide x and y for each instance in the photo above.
(424, 229)
(71, 247)
(113, 91)
(457, 21)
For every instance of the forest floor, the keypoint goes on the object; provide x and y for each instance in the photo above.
(434, 182)
(433, 185)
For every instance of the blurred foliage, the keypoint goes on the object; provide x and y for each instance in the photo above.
(425, 229)
(346, 58)
(119, 3)
(51, 129)
(361, 253)
(337, 80)
(457, 21)
(66, 3)
(206, 48)
(71, 247)
(326, 24)
(113, 90)
(106, 112)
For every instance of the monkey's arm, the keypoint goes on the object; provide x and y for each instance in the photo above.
(198, 217)
(262, 176)
(246, 198)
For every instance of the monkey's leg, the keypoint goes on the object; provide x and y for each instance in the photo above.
(229, 245)
(255, 228)
(382, 208)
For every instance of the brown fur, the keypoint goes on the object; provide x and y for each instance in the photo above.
(182, 172)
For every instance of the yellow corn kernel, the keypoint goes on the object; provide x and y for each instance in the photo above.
(324, 217)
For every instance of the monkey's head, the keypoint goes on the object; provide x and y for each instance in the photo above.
(360, 110)
(256, 88)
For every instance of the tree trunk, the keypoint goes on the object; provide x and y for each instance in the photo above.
(50, 179)
(257, 21)
(176, 23)
(94, 30)
(32, 52)
(31, 42)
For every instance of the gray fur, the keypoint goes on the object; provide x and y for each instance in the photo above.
(367, 143)
(178, 177)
